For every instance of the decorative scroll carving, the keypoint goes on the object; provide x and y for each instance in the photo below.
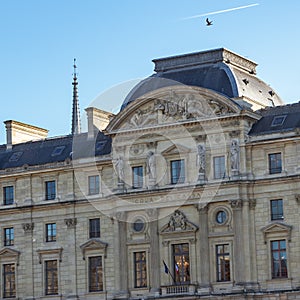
(71, 222)
(236, 203)
(28, 227)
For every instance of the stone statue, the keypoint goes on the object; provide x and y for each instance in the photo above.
(151, 165)
(201, 158)
(234, 155)
(119, 165)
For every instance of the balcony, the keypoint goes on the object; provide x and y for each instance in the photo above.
(182, 289)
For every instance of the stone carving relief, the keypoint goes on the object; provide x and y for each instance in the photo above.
(71, 222)
(178, 222)
(137, 149)
(174, 107)
(28, 227)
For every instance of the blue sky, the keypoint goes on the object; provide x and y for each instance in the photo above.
(115, 41)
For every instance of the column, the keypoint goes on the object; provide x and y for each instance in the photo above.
(238, 258)
(155, 263)
(122, 255)
(203, 262)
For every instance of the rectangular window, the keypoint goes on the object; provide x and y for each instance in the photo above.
(276, 209)
(219, 167)
(95, 274)
(137, 177)
(51, 232)
(279, 263)
(9, 281)
(275, 163)
(223, 262)
(51, 277)
(9, 236)
(8, 195)
(50, 190)
(177, 171)
(94, 228)
(93, 185)
(181, 263)
(140, 269)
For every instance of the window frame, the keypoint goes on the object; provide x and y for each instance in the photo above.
(273, 159)
(221, 268)
(182, 273)
(53, 230)
(137, 178)
(177, 176)
(279, 250)
(50, 191)
(8, 200)
(12, 283)
(90, 274)
(54, 285)
(94, 185)
(276, 212)
(11, 234)
(219, 173)
(140, 269)
(94, 233)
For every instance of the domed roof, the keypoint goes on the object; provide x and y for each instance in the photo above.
(219, 70)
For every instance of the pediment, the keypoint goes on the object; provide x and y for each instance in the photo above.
(173, 105)
(178, 223)
(278, 229)
(10, 253)
(175, 149)
(93, 244)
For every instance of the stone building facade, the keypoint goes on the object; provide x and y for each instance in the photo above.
(191, 191)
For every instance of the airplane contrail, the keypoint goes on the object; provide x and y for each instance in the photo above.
(221, 11)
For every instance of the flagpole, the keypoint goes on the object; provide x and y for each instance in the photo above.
(167, 270)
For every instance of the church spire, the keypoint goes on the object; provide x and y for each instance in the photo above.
(75, 110)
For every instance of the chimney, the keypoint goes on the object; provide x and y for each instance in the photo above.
(17, 132)
(97, 118)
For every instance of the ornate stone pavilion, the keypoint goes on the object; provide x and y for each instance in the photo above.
(191, 191)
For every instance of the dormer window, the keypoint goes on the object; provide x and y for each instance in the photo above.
(278, 120)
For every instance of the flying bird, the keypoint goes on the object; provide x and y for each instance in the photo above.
(208, 23)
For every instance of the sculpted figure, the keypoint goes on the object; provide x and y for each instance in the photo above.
(201, 158)
(234, 155)
(119, 165)
(151, 167)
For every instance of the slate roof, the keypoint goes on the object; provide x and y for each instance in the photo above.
(208, 69)
(53, 150)
(290, 114)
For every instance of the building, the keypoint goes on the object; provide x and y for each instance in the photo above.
(191, 191)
